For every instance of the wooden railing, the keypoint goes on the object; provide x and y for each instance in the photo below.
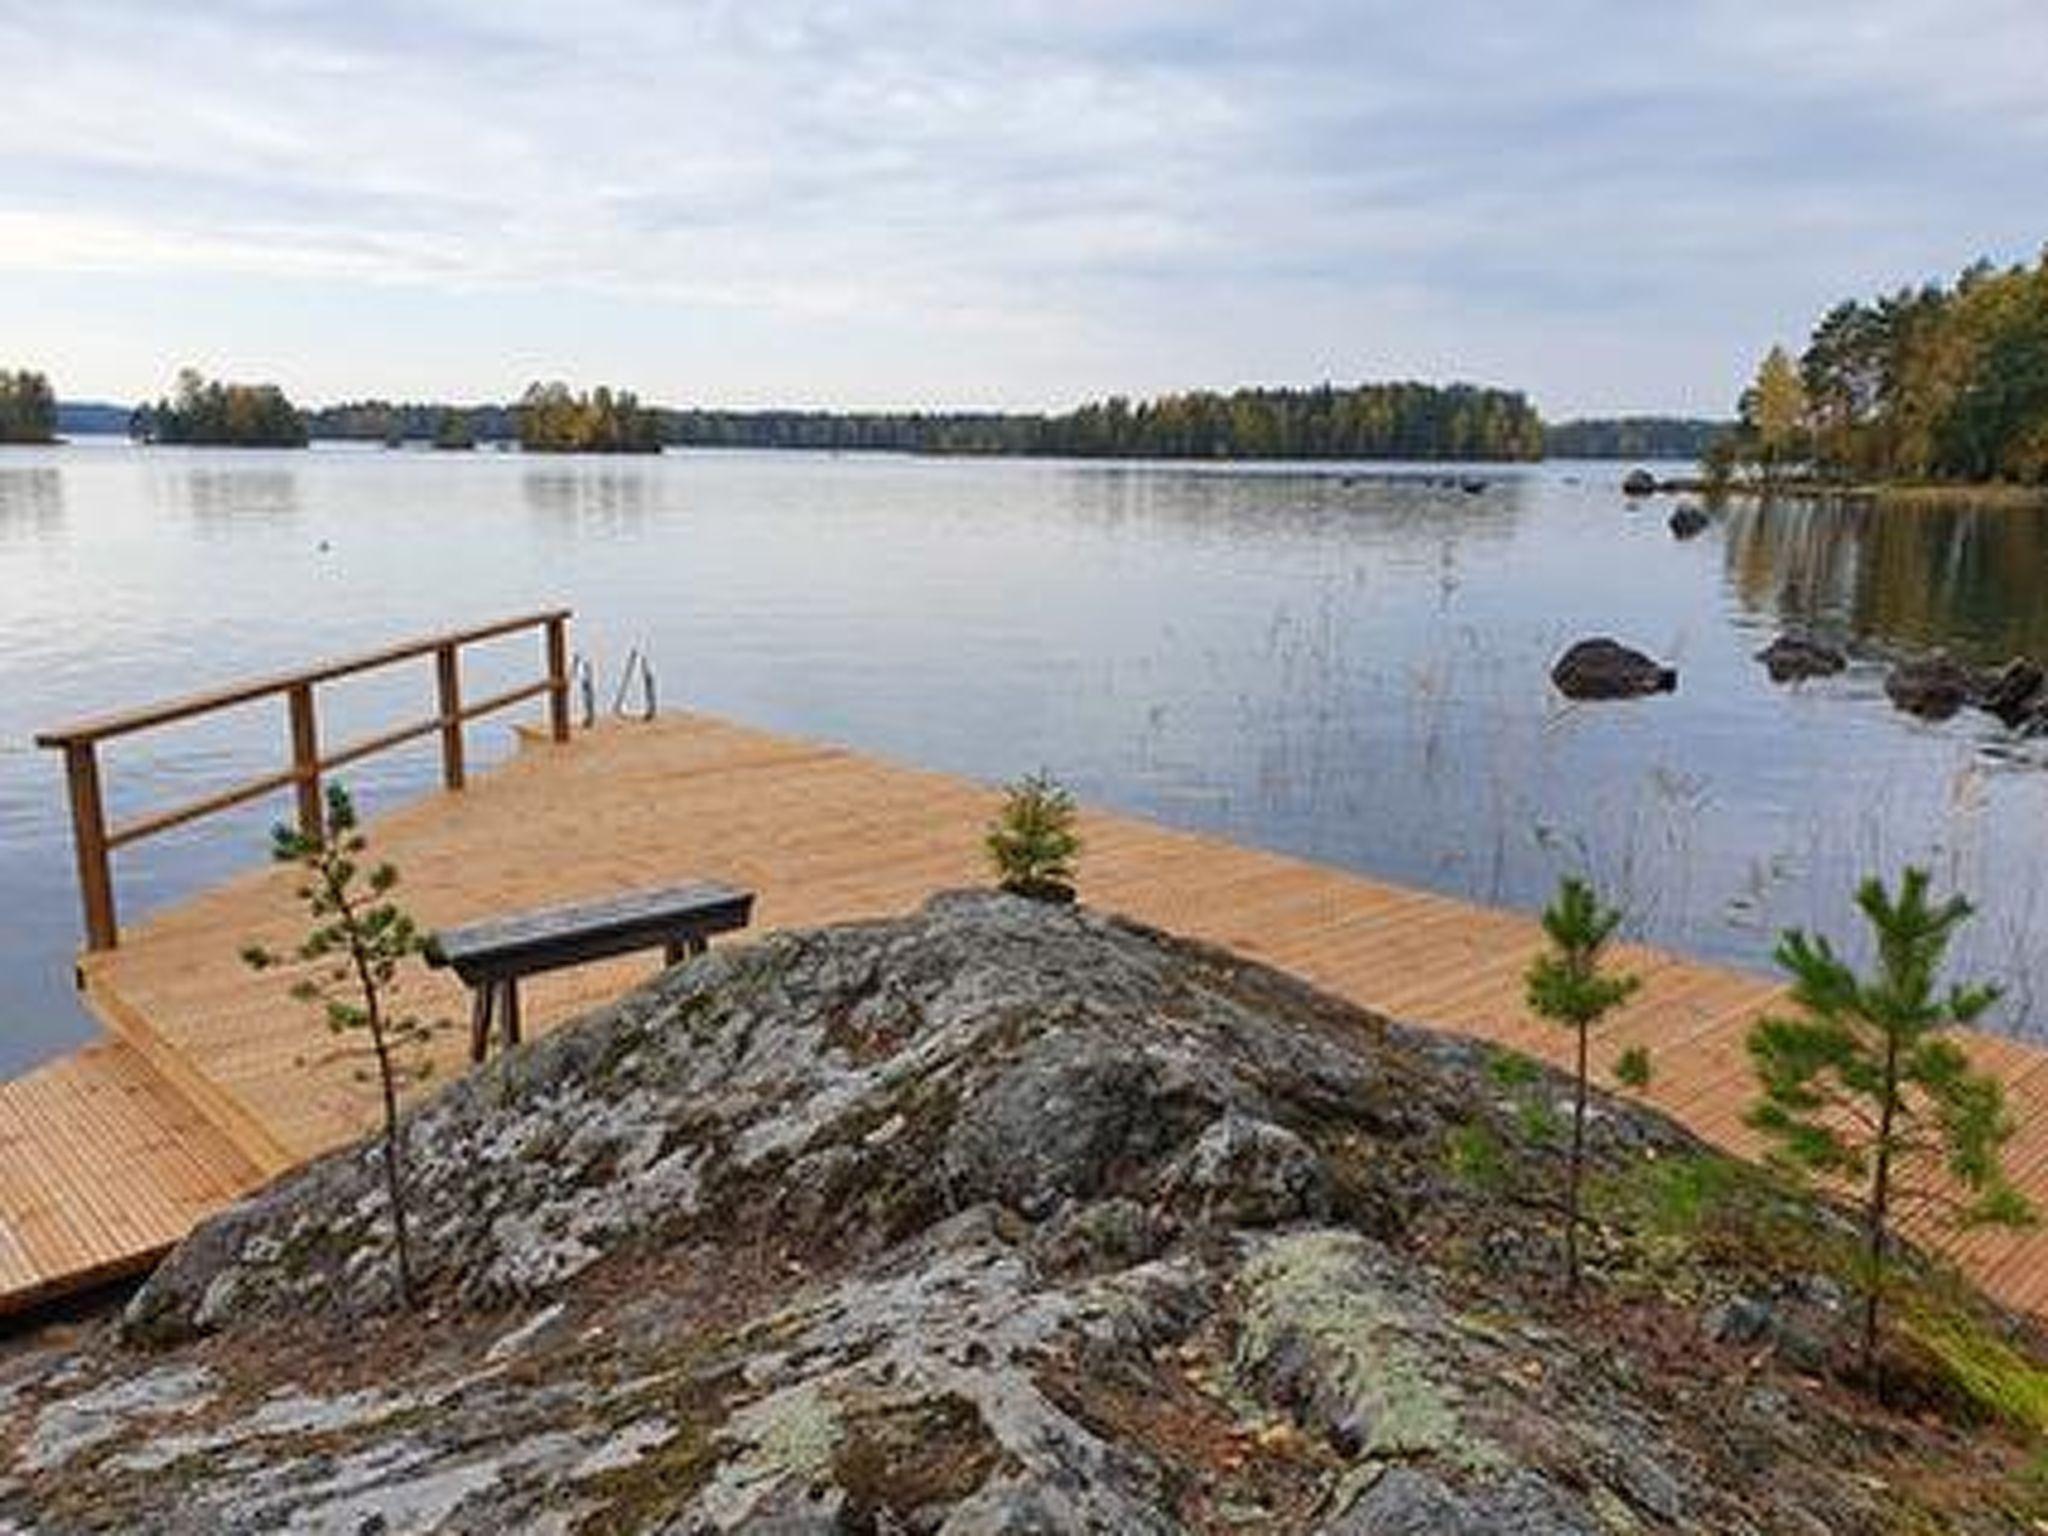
(95, 841)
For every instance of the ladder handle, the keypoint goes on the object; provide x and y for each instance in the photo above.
(584, 676)
(649, 702)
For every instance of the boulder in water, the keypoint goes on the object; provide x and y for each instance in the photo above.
(1603, 668)
(1688, 522)
(1932, 687)
(2014, 691)
(1639, 482)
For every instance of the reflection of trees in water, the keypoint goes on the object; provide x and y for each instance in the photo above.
(31, 500)
(593, 499)
(222, 495)
(1972, 579)
(1276, 504)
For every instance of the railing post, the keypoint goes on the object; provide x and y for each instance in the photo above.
(558, 677)
(306, 759)
(89, 841)
(448, 674)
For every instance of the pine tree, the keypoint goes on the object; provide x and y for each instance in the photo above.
(1567, 984)
(359, 939)
(1032, 842)
(1863, 1090)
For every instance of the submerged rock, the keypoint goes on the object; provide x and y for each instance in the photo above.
(1603, 668)
(998, 1218)
(1793, 658)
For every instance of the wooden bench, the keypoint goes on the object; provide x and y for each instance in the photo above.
(492, 956)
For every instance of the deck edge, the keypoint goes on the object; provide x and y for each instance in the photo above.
(212, 1103)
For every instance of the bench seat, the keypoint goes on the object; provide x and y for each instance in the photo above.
(491, 956)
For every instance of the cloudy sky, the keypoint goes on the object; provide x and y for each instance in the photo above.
(1615, 204)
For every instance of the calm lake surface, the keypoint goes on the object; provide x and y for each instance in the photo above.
(1337, 662)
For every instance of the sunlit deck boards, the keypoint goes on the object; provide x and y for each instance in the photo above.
(102, 1167)
(823, 834)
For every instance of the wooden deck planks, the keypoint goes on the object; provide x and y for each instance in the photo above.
(821, 834)
(102, 1167)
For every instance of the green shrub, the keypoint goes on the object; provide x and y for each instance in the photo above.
(1512, 1070)
(1476, 1158)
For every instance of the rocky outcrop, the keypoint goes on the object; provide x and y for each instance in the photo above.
(1794, 658)
(1001, 1218)
(1639, 482)
(1602, 668)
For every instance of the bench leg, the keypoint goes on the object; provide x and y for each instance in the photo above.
(480, 1021)
(679, 950)
(511, 1021)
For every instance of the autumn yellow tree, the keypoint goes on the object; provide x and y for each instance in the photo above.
(1774, 415)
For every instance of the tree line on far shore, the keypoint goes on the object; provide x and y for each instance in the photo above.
(1925, 384)
(1370, 421)
(1632, 437)
(1367, 421)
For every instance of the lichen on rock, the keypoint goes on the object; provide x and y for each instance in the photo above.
(1001, 1217)
(1326, 1331)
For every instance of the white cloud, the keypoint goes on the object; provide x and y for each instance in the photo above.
(1067, 197)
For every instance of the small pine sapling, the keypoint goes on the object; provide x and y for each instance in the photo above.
(1863, 1090)
(1032, 841)
(1567, 985)
(359, 940)
(1632, 1069)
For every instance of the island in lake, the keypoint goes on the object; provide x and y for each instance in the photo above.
(28, 408)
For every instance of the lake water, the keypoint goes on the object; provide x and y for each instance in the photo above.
(1346, 663)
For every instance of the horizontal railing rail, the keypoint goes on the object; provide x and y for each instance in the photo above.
(94, 840)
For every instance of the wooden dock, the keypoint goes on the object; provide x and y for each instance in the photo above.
(211, 1081)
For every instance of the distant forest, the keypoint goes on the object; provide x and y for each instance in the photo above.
(1633, 437)
(382, 421)
(1368, 421)
(1371, 421)
(1930, 383)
